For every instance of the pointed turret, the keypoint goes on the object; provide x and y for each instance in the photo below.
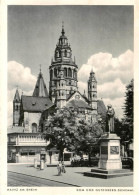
(92, 76)
(17, 96)
(16, 108)
(40, 88)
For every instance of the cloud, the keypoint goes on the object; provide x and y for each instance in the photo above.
(117, 104)
(112, 75)
(21, 76)
(112, 90)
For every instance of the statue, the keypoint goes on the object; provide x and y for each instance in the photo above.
(110, 119)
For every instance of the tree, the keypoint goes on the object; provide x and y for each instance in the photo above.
(121, 129)
(128, 110)
(60, 129)
(68, 131)
(88, 137)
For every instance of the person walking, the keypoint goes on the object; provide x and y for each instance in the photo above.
(63, 167)
(59, 168)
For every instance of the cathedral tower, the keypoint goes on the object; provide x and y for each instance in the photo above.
(63, 71)
(16, 108)
(40, 87)
(92, 91)
(61, 89)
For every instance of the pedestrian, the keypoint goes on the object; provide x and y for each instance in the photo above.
(59, 168)
(63, 167)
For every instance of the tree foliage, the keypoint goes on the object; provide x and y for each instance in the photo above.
(66, 130)
(128, 109)
(124, 127)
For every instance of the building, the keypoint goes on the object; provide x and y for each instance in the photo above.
(29, 112)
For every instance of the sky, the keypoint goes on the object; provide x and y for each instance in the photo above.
(101, 37)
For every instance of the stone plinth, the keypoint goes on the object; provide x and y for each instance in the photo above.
(110, 164)
(110, 152)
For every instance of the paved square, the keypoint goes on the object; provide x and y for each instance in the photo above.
(73, 176)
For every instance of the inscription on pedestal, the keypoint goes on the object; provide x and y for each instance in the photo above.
(104, 149)
(114, 149)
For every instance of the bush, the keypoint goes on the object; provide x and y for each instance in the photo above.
(127, 163)
(85, 163)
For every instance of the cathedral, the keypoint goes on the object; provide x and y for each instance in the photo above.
(29, 112)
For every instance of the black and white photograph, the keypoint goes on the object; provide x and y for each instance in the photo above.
(70, 96)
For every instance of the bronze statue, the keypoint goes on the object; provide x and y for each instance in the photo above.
(110, 119)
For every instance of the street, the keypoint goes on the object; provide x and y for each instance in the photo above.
(18, 179)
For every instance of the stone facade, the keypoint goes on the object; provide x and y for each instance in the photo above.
(31, 122)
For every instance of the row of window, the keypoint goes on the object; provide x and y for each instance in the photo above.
(90, 87)
(16, 107)
(30, 138)
(27, 153)
(68, 82)
(94, 95)
(54, 92)
(68, 72)
(63, 41)
(64, 53)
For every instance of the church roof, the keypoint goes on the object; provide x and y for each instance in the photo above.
(101, 108)
(40, 88)
(17, 96)
(78, 104)
(68, 96)
(35, 104)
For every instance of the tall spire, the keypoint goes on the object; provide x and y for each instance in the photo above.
(40, 88)
(63, 31)
(17, 96)
(40, 68)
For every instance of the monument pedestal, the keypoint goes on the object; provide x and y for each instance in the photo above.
(110, 152)
(109, 164)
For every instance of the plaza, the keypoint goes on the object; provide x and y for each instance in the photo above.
(72, 178)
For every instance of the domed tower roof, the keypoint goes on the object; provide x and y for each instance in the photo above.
(63, 52)
(40, 88)
(92, 76)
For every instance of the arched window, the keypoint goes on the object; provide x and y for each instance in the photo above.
(69, 72)
(57, 54)
(74, 73)
(60, 53)
(34, 127)
(55, 72)
(51, 74)
(65, 53)
(16, 107)
(65, 72)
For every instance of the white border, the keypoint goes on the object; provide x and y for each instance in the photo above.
(3, 90)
